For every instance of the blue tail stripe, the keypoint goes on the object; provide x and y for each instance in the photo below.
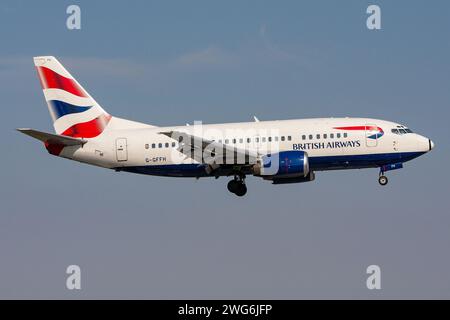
(60, 108)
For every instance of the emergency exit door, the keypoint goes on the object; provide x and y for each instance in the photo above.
(121, 149)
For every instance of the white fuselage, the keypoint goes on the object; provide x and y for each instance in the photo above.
(331, 143)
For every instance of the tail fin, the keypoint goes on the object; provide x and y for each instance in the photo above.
(74, 112)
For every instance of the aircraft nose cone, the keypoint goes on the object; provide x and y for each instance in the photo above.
(431, 144)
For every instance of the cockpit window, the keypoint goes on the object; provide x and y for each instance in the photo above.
(401, 130)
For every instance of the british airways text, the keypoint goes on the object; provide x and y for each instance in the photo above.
(326, 145)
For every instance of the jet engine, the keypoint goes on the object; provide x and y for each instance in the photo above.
(282, 165)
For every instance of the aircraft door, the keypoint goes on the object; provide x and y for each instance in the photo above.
(121, 149)
(371, 133)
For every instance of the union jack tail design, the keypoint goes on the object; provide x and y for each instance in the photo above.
(74, 112)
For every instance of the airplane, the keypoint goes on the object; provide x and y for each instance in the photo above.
(281, 151)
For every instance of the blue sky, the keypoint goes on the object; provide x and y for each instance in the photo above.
(174, 62)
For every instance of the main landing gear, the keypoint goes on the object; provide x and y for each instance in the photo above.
(237, 186)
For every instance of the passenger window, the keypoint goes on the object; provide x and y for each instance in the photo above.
(167, 144)
(173, 144)
(324, 135)
(263, 139)
(227, 141)
(159, 145)
(153, 146)
(310, 137)
(146, 146)
(317, 136)
(282, 138)
(220, 140)
(331, 135)
(345, 134)
(234, 141)
(241, 140)
(289, 138)
(338, 135)
(303, 137)
(276, 138)
(249, 140)
(270, 139)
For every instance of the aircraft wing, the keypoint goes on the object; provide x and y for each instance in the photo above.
(196, 147)
(52, 138)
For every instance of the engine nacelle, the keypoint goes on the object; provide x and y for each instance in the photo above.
(310, 177)
(285, 164)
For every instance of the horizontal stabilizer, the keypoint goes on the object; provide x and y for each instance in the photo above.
(51, 138)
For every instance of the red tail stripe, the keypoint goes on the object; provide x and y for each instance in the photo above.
(52, 80)
(88, 129)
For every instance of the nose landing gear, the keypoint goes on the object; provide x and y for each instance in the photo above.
(382, 179)
(237, 186)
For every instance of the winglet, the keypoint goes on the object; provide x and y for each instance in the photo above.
(255, 118)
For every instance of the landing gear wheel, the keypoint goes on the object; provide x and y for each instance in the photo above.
(237, 185)
(241, 190)
(233, 186)
(383, 180)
